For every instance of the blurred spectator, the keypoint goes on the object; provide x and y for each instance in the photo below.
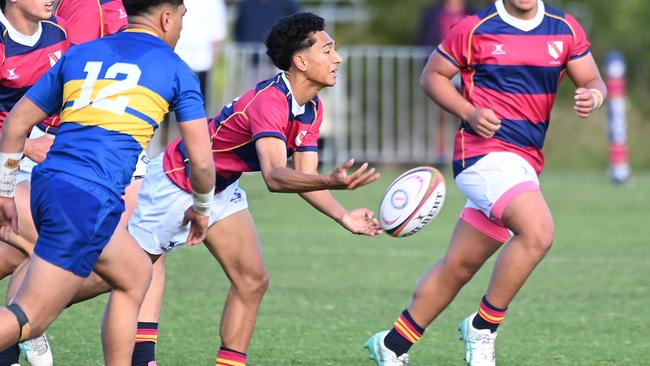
(255, 17)
(204, 27)
(439, 18)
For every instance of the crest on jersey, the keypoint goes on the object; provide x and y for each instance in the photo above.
(54, 57)
(555, 48)
(299, 137)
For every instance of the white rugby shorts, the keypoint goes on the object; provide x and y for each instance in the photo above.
(489, 185)
(27, 164)
(156, 222)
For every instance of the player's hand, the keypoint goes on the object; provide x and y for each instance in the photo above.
(198, 227)
(8, 217)
(484, 122)
(360, 221)
(36, 149)
(361, 177)
(586, 101)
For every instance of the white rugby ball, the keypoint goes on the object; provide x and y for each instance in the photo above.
(412, 201)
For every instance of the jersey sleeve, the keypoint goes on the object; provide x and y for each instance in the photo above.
(47, 93)
(82, 20)
(114, 17)
(455, 46)
(580, 46)
(268, 114)
(187, 103)
(310, 141)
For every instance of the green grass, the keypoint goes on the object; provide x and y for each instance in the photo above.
(587, 303)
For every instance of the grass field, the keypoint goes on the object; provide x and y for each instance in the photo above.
(587, 303)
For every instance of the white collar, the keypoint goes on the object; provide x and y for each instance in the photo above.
(18, 37)
(296, 108)
(524, 25)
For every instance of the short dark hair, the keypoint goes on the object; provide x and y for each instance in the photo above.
(138, 7)
(291, 34)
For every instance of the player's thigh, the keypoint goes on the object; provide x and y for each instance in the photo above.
(130, 200)
(10, 259)
(233, 241)
(123, 264)
(528, 214)
(469, 246)
(45, 292)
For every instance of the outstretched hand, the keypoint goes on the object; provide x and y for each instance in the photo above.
(360, 221)
(198, 228)
(360, 177)
(8, 217)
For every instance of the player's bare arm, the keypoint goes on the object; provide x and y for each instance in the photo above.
(22, 118)
(202, 175)
(357, 221)
(436, 82)
(272, 154)
(591, 90)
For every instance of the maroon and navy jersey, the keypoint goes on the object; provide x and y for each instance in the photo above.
(87, 20)
(513, 67)
(26, 58)
(268, 110)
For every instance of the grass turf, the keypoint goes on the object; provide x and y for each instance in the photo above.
(586, 304)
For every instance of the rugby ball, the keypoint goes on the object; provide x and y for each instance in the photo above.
(412, 201)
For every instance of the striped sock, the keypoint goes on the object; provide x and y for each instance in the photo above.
(404, 334)
(144, 352)
(488, 316)
(230, 357)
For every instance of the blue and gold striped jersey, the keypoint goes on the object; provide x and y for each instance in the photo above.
(112, 94)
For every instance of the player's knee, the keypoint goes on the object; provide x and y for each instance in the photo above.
(459, 270)
(252, 286)
(539, 238)
(9, 262)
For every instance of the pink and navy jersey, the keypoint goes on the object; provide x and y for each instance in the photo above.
(268, 110)
(88, 20)
(513, 67)
(26, 58)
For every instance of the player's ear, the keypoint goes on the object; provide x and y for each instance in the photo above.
(166, 20)
(300, 62)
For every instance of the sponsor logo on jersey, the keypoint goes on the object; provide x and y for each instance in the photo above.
(12, 74)
(498, 49)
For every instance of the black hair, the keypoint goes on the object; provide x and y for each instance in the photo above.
(138, 7)
(2, 4)
(291, 34)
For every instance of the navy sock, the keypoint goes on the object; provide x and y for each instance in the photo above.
(144, 351)
(404, 334)
(10, 356)
(488, 316)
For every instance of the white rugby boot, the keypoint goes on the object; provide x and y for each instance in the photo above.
(382, 355)
(37, 351)
(479, 343)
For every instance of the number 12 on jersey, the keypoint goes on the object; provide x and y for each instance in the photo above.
(108, 98)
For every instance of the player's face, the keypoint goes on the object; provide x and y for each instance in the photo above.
(35, 9)
(521, 6)
(322, 60)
